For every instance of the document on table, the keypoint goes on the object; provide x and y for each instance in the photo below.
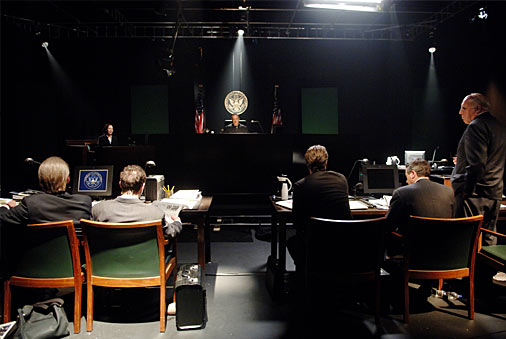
(357, 205)
(285, 203)
(186, 198)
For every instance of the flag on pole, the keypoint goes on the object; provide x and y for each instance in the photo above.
(276, 112)
(199, 110)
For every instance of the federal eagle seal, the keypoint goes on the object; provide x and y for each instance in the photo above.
(236, 102)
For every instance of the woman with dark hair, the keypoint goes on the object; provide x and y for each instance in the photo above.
(107, 139)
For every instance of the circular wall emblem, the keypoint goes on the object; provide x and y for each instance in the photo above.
(93, 180)
(236, 102)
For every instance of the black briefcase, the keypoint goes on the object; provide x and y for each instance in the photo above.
(190, 298)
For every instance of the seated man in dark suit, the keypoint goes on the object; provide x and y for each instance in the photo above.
(235, 126)
(321, 194)
(52, 205)
(129, 208)
(421, 197)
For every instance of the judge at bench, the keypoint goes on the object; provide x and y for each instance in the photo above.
(235, 126)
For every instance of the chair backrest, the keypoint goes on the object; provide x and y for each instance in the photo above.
(345, 246)
(124, 250)
(48, 250)
(441, 243)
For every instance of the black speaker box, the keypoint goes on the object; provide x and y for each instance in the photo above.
(190, 298)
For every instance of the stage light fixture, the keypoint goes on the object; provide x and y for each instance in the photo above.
(432, 49)
(45, 44)
(240, 32)
(348, 5)
(482, 13)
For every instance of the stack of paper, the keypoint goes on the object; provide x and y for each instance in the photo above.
(285, 203)
(186, 198)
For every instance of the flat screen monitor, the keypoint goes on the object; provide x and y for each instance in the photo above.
(413, 155)
(380, 179)
(93, 180)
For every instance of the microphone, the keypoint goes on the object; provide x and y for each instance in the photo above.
(434, 154)
(30, 161)
(363, 161)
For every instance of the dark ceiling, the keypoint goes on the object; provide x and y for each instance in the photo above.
(273, 19)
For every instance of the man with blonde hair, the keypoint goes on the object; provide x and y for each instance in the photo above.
(129, 208)
(54, 204)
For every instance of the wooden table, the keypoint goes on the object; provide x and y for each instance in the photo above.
(199, 217)
(276, 263)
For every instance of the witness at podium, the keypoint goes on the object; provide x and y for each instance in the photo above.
(107, 139)
(235, 126)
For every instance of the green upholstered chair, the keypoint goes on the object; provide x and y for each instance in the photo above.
(47, 257)
(495, 255)
(440, 248)
(126, 255)
(346, 252)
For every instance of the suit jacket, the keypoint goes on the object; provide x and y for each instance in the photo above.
(322, 194)
(232, 129)
(481, 155)
(132, 210)
(44, 207)
(424, 198)
(103, 141)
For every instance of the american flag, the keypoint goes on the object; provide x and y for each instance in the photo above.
(276, 111)
(199, 111)
(199, 121)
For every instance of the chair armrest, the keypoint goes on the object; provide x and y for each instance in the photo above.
(397, 235)
(492, 232)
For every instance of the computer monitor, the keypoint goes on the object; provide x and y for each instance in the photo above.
(380, 179)
(413, 155)
(93, 180)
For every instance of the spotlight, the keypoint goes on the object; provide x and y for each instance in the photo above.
(240, 32)
(432, 49)
(482, 13)
(45, 44)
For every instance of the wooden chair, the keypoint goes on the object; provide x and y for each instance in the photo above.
(126, 255)
(347, 251)
(440, 248)
(47, 257)
(495, 255)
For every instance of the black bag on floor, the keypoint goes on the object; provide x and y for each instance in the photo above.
(42, 320)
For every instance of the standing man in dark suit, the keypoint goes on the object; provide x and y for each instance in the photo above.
(54, 204)
(321, 194)
(477, 178)
(421, 197)
(107, 139)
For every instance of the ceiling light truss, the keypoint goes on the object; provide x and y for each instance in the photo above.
(290, 28)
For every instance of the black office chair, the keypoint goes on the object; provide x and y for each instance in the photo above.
(344, 252)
